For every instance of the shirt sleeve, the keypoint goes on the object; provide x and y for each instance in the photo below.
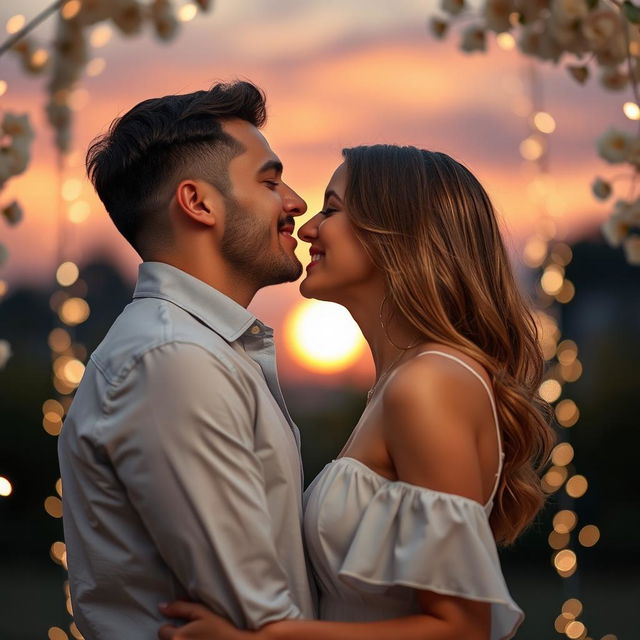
(181, 439)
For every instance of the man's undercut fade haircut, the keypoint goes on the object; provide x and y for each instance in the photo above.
(137, 165)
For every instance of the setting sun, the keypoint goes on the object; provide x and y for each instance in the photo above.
(323, 337)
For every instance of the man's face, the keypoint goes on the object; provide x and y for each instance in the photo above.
(259, 214)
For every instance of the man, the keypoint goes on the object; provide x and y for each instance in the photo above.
(179, 461)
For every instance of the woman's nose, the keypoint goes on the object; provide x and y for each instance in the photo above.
(309, 230)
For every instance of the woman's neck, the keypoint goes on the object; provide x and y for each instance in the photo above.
(388, 337)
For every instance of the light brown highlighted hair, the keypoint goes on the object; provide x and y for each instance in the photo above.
(429, 225)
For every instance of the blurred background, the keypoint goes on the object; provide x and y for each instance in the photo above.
(336, 74)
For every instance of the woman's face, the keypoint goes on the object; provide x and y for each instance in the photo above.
(340, 267)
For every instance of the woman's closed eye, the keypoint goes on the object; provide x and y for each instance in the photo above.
(327, 212)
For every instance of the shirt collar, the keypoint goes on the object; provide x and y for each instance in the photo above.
(219, 312)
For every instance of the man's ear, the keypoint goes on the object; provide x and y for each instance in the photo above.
(200, 201)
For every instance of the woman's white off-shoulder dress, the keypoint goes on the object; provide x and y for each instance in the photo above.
(372, 542)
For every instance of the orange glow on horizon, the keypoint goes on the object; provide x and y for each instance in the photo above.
(323, 337)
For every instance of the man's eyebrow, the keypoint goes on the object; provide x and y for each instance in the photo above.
(270, 165)
(331, 193)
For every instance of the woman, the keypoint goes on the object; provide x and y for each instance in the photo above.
(401, 527)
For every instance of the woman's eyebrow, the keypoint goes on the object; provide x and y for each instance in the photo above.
(331, 193)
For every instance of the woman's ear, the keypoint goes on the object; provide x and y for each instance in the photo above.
(200, 201)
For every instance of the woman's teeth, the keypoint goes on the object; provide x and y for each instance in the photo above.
(316, 256)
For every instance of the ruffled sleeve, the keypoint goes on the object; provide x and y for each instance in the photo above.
(429, 540)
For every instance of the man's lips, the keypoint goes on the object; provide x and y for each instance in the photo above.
(286, 230)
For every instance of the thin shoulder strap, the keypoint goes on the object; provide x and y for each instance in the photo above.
(493, 407)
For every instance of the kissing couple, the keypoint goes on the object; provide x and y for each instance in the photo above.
(180, 463)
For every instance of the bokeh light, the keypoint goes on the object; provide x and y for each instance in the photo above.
(74, 311)
(567, 412)
(187, 12)
(576, 486)
(59, 340)
(550, 390)
(544, 122)
(53, 506)
(572, 608)
(67, 273)
(575, 630)
(565, 561)
(565, 521)
(15, 23)
(100, 36)
(78, 211)
(6, 489)
(562, 454)
(70, 9)
(631, 110)
(95, 67)
(589, 535)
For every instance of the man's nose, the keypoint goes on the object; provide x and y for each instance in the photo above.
(293, 204)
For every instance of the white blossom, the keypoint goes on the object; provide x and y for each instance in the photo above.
(12, 213)
(615, 230)
(614, 145)
(127, 16)
(452, 7)
(568, 12)
(580, 73)
(549, 49)
(5, 353)
(614, 79)
(529, 40)
(6, 164)
(614, 53)
(17, 126)
(474, 39)
(631, 246)
(19, 157)
(164, 20)
(92, 11)
(496, 14)
(601, 189)
(633, 152)
(438, 27)
(600, 27)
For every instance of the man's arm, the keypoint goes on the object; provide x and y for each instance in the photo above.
(180, 436)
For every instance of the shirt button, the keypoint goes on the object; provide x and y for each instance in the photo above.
(255, 330)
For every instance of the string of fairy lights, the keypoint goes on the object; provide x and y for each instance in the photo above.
(546, 251)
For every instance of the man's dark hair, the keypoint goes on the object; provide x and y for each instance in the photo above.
(136, 166)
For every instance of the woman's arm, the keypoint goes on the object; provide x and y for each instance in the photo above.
(204, 625)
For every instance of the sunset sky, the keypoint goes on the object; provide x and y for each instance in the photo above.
(336, 73)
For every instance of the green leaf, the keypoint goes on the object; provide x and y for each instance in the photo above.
(631, 12)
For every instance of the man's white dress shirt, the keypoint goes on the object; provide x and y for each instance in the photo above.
(181, 469)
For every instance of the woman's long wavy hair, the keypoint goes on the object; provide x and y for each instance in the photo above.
(428, 224)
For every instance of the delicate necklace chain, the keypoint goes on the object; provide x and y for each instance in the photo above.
(385, 373)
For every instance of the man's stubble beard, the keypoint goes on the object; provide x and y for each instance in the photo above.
(246, 246)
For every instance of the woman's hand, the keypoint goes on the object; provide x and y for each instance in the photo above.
(202, 624)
